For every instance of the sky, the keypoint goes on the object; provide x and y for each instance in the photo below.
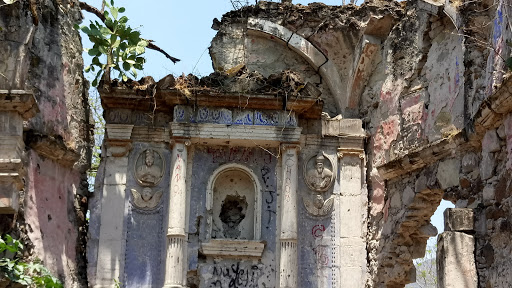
(183, 29)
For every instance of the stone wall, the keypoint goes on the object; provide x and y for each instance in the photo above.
(55, 152)
(440, 126)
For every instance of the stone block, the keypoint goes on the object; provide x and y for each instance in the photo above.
(408, 196)
(11, 123)
(487, 165)
(352, 252)
(488, 195)
(458, 219)
(491, 142)
(432, 7)
(352, 210)
(342, 127)
(448, 173)
(469, 163)
(119, 131)
(456, 261)
(8, 198)
(117, 168)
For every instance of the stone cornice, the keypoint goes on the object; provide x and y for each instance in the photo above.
(235, 134)
(19, 100)
(165, 100)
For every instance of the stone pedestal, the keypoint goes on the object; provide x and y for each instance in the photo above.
(175, 275)
(455, 251)
(288, 233)
(15, 107)
(111, 240)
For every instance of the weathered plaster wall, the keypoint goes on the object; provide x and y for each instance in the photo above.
(50, 216)
(436, 92)
(206, 271)
(56, 138)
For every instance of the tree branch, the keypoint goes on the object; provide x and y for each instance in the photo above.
(95, 11)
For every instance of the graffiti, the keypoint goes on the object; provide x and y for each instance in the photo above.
(239, 154)
(265, 175)
(322, 256)
(321, 251)
(318, 231)
(235, 276)
(177, 170)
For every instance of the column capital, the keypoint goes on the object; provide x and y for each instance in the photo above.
(289, 146)
(118, 148)
(176, 140)
(351, 151)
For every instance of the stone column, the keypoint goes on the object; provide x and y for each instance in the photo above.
(175, 269)
(455, 250)
(288, 228)
(110, 262)
(15, 107)
(349, 218)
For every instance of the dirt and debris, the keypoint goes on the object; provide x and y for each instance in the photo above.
(240, 80)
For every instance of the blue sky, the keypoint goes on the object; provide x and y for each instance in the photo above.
(183, 29)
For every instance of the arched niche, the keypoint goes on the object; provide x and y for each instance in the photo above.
(233, 202)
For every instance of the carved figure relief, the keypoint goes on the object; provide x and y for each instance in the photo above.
(319, 178)
(149, 168)
(147, 199)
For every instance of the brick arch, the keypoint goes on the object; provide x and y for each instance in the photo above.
(300, 45)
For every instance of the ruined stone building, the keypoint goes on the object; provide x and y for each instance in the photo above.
(314, 155)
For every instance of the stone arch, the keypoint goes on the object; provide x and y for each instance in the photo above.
(326, 68)
(245, 174)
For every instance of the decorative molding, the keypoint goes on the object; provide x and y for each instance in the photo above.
(21, 101)
(118, 131)
(255, 135)
(351, 151)
(118, 148)
(224, 248)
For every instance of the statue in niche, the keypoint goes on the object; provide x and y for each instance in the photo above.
(147, 199)
(149, 169)
(231, 214)
(319, 179)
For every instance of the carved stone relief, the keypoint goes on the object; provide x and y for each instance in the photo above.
(149, 168)
(147, 199)
(319, 177)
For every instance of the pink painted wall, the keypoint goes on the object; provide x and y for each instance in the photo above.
(50, 216)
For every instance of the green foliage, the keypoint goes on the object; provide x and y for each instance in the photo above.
(31, 274)
(426, 274)
(114, 39)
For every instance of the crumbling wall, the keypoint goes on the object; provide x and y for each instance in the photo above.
(51, 219)
(336, 31)
(431, 116)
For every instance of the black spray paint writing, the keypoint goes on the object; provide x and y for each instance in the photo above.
(235, 276)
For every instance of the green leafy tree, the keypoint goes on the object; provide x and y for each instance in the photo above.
(113, 38)
(29, 274)
(426, 274)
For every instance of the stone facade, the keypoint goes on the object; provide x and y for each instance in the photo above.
(314, 156)
(339, 206)
(44, 135)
